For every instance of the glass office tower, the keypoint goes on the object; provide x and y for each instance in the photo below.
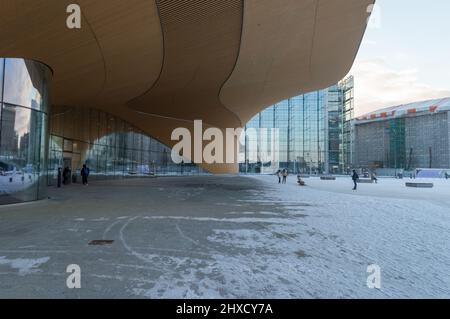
(315, 133)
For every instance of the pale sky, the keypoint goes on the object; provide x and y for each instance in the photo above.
(405, 54)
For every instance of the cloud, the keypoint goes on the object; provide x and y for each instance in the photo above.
(377, 85)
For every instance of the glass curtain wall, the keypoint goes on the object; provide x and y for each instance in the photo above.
(24, 105)
(109, 146)
(315, 133)
(300, 122)
(348, 127)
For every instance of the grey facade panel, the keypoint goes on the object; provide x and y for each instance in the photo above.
(427, 142)
(371, 144)
(421, 141)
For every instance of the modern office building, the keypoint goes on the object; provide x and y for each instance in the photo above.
(105, 89)
(111, 147)
(314, 133)
(408, 137)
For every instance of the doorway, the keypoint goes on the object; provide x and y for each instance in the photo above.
(67, 170)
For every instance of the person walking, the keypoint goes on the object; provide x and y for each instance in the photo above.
(355, 178)
(85, 174)
(285, 175)
(374, 178)
(279, 176)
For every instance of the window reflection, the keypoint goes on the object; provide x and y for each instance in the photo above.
(26, 84)
(314, 133)
(20, 153)
(110, 147)
(23, 130)
(2, 66)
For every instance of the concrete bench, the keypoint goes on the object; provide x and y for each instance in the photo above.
(328, 178)
(365, 181)
(420, 185)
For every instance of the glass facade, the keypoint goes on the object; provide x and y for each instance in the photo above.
(24, 87)
(31, 154)
(347, 154)
(109, 146)
(314, 133)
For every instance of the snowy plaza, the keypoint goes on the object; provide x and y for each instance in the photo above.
(230, 237)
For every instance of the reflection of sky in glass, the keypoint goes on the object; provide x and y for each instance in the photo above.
(300, 123)
(20, 117)
(22, 127)
(22, 124)
(19, 88)
(1, 78)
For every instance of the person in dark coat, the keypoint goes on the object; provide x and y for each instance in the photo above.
(66, 175)
(279, 176)
(85, 174)
(355, 178)
(285, 175)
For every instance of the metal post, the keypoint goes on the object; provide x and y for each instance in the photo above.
(59, 177)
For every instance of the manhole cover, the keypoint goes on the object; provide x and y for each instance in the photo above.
(101, 242)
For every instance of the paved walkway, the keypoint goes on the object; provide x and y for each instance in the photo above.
(160, 229)
(225, 237)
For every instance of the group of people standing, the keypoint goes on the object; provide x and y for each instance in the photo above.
(282, 176)
(66, 176)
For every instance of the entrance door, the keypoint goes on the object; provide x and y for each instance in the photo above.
(67, 176)
(68, 163)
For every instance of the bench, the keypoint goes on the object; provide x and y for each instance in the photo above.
(365, 181)
(328, 178)
(420, 185)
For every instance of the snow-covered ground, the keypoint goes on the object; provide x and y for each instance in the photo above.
(230, 237)
(406, 231)
(8, 186)
(317, 242)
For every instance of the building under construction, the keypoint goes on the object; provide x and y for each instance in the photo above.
(411, 136)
